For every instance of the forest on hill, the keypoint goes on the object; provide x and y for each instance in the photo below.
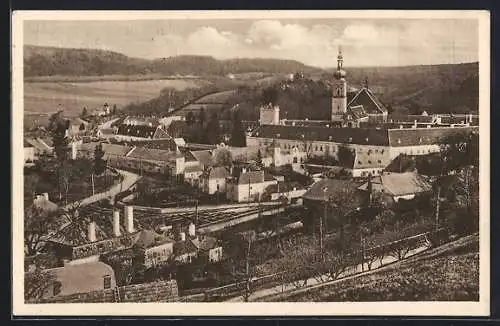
(404, 90)
(52, 61)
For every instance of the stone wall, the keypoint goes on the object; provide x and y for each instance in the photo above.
(164, 291)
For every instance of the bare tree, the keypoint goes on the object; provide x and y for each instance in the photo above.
(37, 283)
(37, 224)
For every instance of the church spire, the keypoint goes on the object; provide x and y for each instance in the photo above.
(340, 59)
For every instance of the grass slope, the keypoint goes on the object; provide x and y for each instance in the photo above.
(451, 277)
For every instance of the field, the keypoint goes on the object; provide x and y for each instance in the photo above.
(47, 96)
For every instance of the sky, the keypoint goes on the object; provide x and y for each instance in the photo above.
(365, 42)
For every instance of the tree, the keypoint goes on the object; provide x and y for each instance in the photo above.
(343, 202)
(201, 116)
(238, 137)
(57, 128)
(113, 111)
(37, 283)
(213, 132)
(258, 160)
(66, 174)
(99, 163)
(190, 118)
(223, 157)
(127, 264)
(37, 224)
(84, 112)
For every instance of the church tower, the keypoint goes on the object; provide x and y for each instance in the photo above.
(339, 96)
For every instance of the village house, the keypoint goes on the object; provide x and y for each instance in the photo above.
(398, 186)
(185, 251)
(81, 278)
(248, 186)
(42, 203)
(72, 245)
(157, 248)
(213, 180)
(34, 147)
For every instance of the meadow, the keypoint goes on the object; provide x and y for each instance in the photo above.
(47, 96)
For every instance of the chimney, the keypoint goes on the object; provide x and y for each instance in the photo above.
(183, 236)
(192, 230)
(116, 223)
(91, 232)
(74, 150)
(45, 196)
(129, 218)
(415, 124)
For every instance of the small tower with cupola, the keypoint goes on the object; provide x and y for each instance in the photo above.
(339, 96)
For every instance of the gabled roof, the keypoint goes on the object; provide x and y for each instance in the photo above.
(399, 184)
(205, 243)
(251, 177)
(184, 247)
(327, 187)
(39, 143)
(149, 238)
(204, 157)
(193, 168)
(369, 101)
(150, 154)
(218, 172)
(371, 159)
(160, 134)
(357, 112)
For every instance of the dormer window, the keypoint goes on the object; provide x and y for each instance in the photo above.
(366, 139)
(329, 137)
(399, 141)
(350, 139)
(420, 140)
(278, 135)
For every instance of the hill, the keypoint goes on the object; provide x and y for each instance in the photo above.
(451, 276)
(50, 61)
(435, 88)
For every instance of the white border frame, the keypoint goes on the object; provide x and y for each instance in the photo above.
(481, 308)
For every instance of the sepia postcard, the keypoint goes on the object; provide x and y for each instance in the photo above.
(277, 163)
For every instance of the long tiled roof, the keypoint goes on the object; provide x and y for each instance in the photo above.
(339, 135)
(136, 131)
(361, 136)
(150, 154)
(425, 136)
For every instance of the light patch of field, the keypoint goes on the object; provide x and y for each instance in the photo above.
(217, 98)
(45, 97)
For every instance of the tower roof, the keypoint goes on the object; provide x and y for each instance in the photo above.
(340, 73)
